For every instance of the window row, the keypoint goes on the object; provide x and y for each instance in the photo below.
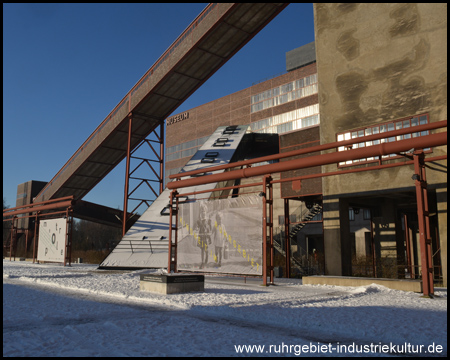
(285, 93)
(292, 120)
(186, 145)
(378, 129)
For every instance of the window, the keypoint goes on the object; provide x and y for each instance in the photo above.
(378, 129)
(292, 120)
(351, 214)
(285, 93)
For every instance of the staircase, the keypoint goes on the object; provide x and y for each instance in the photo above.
(294, 262)
(317, 208)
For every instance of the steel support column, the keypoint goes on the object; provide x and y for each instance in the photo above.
(35, 234)
(12, 244)
(424, 223)
(68, 247)
(172, 261)
(161, 158)
(267, 224)
(286, 238)
(127, 172)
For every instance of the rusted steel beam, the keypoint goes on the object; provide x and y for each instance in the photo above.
(37, 204)
(350, 171)
(312, 176)
(419, 128)
(317, 160)
(64, 204)
(127, 176)
(221, 189)
(286, 238)
(420, 182)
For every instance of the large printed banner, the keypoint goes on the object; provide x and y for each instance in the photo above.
(222, 236)
(52, 240)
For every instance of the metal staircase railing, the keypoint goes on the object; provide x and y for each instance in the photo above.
(294, 262)
(317, 208)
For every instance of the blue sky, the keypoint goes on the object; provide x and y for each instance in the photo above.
(66, 66)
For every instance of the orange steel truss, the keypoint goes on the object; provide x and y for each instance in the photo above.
(158, 172)
(414, 146)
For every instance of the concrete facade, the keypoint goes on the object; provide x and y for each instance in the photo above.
(377, 63)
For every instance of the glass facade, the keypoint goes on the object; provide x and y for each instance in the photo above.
(285, 93)
(289, 121)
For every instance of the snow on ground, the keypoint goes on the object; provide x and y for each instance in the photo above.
(51, 310)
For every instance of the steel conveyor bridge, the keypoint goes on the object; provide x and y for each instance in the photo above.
(217, 33)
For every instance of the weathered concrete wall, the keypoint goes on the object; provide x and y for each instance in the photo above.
(376, 63)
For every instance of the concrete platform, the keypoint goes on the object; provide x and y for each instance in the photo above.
(396, 284)
(171, 283)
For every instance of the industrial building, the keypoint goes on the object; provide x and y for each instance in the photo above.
(372, 68)
(344, 199)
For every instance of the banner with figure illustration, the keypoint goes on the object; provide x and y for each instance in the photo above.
(222, 236)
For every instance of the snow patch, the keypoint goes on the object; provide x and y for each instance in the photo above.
(100, 313)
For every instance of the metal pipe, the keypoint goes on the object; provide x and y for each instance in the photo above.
(6, 211)
(419, 128)
(351, 171)
(33, 215)
(311, 176)
(221, 189)
(317, 160)
(63, 204)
